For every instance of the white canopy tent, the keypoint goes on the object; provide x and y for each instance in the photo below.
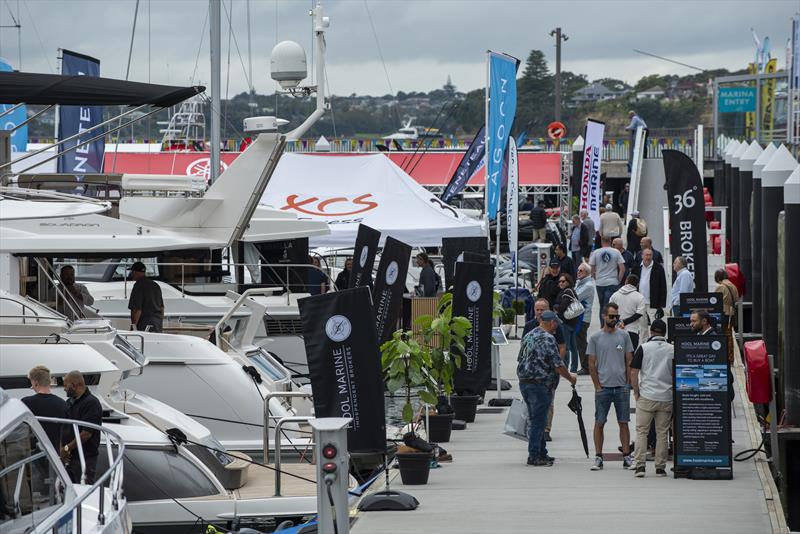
(347, 190)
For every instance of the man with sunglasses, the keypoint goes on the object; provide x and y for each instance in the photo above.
(610, 352)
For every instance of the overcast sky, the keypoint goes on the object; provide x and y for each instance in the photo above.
(422, 41)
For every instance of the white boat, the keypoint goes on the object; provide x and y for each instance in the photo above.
(37, 494)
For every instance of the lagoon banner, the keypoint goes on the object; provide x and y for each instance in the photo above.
(472, 160)
(390, 284)
(687, 222)
(591, 194)
(73, 120)
(364, 256)
(343, 364)
(472, 298)
(502, 96)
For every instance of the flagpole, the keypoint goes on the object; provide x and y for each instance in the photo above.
(486, 154)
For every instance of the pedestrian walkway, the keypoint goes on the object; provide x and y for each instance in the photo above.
(488, 488)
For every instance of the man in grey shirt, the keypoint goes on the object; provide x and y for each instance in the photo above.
(610, 352)
(608, 270)
(75, 296)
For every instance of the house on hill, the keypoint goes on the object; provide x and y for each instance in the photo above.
(653, 93)
(596, 92)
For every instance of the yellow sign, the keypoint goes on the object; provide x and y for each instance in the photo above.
(768, 102)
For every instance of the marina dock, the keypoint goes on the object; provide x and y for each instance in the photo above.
(489, 488)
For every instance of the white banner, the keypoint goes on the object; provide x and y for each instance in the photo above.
(512, 204)
(591, 195)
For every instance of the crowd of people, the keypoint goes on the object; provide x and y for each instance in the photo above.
(617, 265)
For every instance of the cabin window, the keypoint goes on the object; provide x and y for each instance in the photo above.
(31, 487)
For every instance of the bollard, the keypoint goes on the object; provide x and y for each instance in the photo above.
(330, 438)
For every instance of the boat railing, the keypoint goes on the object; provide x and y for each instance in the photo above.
(290, 271)
(112, 476)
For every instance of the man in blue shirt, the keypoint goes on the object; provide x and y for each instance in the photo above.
(684, 283)
(539, 364)
(636, 121)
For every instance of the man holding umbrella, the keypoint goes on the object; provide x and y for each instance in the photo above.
(651, 379)
(538, 367)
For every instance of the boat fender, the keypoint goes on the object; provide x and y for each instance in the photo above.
(253, 372)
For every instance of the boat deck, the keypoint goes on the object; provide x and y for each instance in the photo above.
(489, 488)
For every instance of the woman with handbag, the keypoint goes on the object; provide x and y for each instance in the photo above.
(569, 310)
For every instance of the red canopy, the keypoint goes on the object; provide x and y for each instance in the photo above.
(430, 169)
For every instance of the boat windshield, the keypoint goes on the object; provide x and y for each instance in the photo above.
(130, 351)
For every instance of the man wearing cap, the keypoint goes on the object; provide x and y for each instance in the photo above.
(611, 225)
(146, 304)
(548, 285)
(538, 367)
(637, 229)
(651, 379)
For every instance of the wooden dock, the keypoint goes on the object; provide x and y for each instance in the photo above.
(488, 488)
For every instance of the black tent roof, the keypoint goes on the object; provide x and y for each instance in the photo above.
(34, 88)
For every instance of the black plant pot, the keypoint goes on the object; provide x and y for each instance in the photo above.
(414, 467)
(465, 407)
(439, 427)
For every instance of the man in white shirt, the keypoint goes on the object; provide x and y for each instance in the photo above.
(651, 379)
(684, 283)
(652, 284)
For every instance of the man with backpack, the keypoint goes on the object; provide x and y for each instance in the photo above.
(637, 229)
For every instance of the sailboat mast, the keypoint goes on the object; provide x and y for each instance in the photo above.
(213, 170)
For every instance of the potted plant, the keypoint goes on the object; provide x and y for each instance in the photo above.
(444, 337)
(507, 320)
(405, 363)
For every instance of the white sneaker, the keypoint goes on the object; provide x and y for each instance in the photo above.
(627, 462)
(598, 464)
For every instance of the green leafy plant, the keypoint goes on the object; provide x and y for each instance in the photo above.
(444, 339)
(497, 308)
(519, 307)
(405, 366)
(508, 316)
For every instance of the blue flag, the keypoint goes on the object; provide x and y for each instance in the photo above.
(470, 163)
(502, 108)
(19, 139)
(76, 119)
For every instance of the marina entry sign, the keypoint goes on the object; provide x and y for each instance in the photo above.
(702, 406)
(736, 100)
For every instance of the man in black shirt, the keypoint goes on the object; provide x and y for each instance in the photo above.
(538, 217)
(146, 303)
(82, 406)
(548, 285)
(45, 404)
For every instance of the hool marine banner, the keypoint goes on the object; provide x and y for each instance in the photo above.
(390, 283)
(364, 256)
(472, 298)
(458, 249)
(687, 222)
(73, 120)
(343, 365)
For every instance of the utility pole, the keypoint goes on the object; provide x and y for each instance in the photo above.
(216, 117)
(559, 37)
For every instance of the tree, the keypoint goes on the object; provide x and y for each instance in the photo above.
(535, 96)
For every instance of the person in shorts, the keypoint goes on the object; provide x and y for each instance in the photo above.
(610, 352)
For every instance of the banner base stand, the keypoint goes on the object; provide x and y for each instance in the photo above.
(701, 473)
(388, 500)
(505, 385)
(500, 402)
(458, 424)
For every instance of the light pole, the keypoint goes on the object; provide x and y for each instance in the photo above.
(559, 37)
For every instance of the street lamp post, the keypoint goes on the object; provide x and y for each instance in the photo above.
(559, 37)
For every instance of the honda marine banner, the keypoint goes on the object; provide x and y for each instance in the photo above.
(512, 204)
(591, 193)
(73, 120)
(472, 298)
(472, 160)
(687, 222)
(502, 97)
(364, 256)
(343, 364)
(390, 283)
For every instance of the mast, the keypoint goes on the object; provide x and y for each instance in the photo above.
(214, 15)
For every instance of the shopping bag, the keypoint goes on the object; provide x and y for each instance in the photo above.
(517, 420)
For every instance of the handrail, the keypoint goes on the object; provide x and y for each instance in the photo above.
(278, 425)
(236, 305)
(50, 195)
(23, 306)
(276, 395)
(58, 338)
(113, 474)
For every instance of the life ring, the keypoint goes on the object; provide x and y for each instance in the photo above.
(556, 130)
